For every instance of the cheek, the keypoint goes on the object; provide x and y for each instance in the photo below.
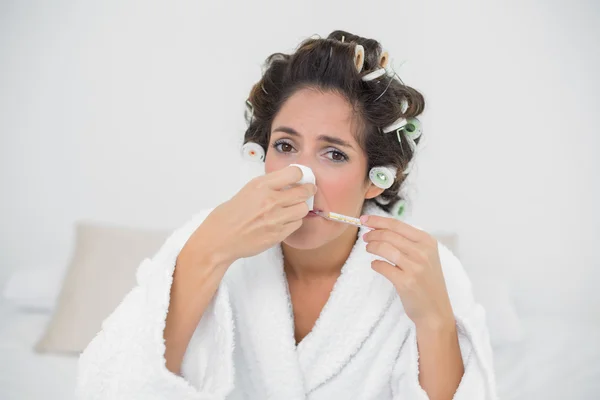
(274, 161)
(341, 188)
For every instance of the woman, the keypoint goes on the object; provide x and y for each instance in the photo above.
(261, 299)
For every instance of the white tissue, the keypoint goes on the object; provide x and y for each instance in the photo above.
(307, 177)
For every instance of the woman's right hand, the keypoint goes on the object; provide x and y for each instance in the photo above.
(259, 216)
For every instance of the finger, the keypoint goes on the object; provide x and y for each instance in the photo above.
(290, 228)
(391, 272)
(284, 215)
(402, 228)
(411, 249)
(282, 177)
(390, 253)
(402, 280)
(295, 195)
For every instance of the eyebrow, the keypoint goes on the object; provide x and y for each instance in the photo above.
(324, 138)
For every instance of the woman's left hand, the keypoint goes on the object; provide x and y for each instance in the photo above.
(417, 275)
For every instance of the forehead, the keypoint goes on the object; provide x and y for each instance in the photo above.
(313, 112)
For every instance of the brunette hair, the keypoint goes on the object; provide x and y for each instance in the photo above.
(329, 65)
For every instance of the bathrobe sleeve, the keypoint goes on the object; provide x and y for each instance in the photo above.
(478, 381)
(125, 360)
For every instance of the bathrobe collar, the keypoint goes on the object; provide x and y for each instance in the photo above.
(357, 302)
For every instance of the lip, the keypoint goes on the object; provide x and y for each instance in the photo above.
(312, 214)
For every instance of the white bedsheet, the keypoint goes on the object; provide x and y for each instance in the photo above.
(25, 374)
(559, 359)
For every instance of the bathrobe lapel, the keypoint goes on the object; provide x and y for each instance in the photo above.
(357, 302)
(266, 327)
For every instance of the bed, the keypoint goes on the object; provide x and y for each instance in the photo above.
(558, 358)
(25, 374)
(536, 356)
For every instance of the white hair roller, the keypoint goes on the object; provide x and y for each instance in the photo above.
(382, 201)
(374, 75)
(413, 129)
(307, 177)
(249, 114)
(384, 59)
(383, 177)
(359, 57)
(399, 208)
(397, 124)
(252, 151)
(404, 105)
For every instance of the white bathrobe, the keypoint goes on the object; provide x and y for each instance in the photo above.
(363, 345)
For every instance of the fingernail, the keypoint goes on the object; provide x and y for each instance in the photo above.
(364, 219)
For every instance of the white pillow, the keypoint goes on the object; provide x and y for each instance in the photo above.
(34, 289)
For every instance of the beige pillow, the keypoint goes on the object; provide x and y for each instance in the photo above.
(101, 272)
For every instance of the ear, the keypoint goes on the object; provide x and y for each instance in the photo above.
(373, 191)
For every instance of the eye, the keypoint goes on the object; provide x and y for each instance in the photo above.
(337, 156)
(283, 146)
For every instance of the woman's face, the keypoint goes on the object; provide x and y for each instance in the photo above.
(317, 129)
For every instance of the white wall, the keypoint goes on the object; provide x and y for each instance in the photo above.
(131, 113)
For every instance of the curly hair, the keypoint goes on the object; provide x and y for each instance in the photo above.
(329, 65)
